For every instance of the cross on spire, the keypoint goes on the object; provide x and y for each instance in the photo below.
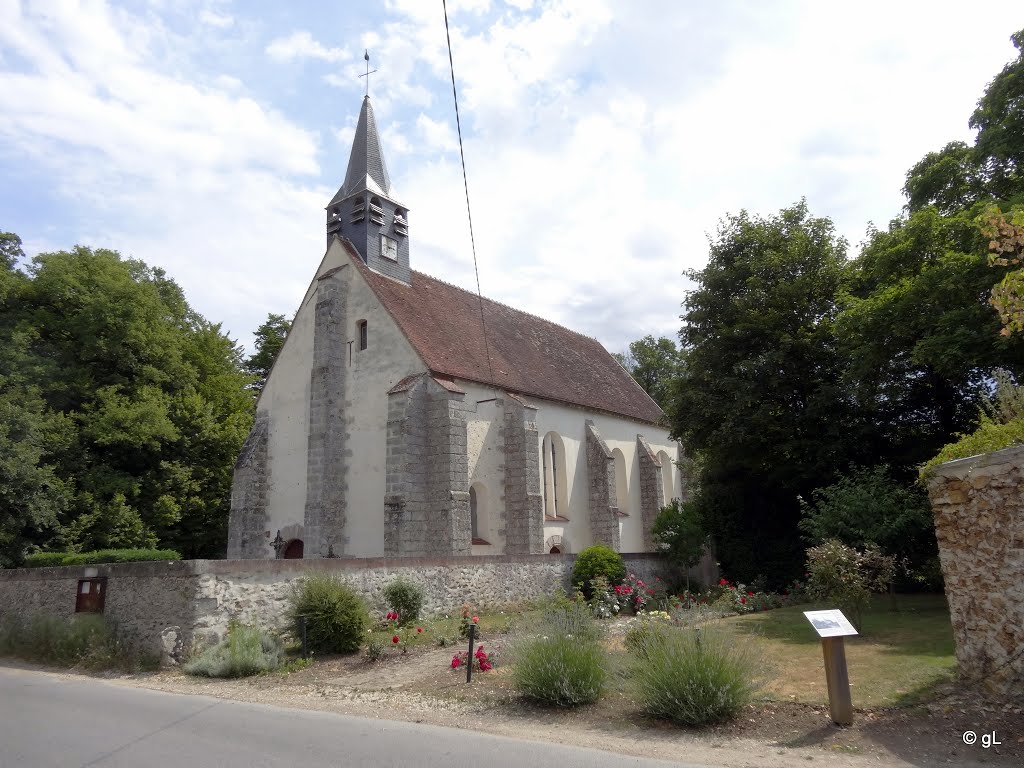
(366, 57)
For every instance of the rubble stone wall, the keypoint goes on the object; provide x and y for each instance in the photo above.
(979, 522)
(168, 607)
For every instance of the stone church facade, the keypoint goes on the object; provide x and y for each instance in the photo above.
(406, 417)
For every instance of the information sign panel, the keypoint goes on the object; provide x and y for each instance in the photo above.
(830, 623)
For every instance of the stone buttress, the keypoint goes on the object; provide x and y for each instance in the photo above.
(248, 519)
(524, 504)
(652, 490)
(326, 508)
(426, 503)
(604, 509)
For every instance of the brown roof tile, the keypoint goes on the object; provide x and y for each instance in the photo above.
(529, 355)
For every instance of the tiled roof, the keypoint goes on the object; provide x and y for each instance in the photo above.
(529, 355)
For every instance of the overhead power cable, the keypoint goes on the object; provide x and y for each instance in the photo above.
(465, 184)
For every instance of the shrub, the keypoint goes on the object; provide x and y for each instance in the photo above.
(870, 507)
(846, 577)
(336, 617)
(245, 651)
(44, 559)
(50, 559)
(88, 641)
(563, 664)
(405, 598)
(596, 561)
(694, 676)
(604, 599)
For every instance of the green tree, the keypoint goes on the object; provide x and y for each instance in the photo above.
(140, 406)
(270, 338)
(950, 180)
(760, 400)
(919, 333)
(999, 120)
(679, 532)
(654, 363)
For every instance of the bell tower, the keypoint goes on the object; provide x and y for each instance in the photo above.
(365, 210)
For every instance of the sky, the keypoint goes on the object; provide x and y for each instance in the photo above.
(604, 141)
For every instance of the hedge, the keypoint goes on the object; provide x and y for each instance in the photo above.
(52, 559)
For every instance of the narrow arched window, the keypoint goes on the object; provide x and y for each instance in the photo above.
(555, 487)
(479, 514)
(621, 482)
(364, 335)
(474, 523)
(666, 475)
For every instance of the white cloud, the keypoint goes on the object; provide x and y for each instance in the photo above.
(301, 45)
(436, 136)
(214, 19)
(603, 142)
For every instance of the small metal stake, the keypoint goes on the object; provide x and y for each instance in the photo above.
(305, 645)
(469, 665)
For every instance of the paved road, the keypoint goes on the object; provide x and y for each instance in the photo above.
(48, 720)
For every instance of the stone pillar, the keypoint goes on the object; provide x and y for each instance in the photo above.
(325, 475)
(683, 463)
(524, 504)
(247, 522)
(604, 509)
(979, 523)
(652, 490)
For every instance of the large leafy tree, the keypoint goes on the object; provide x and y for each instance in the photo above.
(134, 405)
(760, 400)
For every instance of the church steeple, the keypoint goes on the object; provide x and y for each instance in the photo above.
(364, 209)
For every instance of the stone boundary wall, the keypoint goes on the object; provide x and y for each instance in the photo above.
(978, 505)
(166, 607)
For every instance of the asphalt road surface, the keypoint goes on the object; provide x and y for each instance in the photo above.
(50, 721)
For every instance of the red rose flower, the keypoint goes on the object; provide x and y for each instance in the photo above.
(455, 662)
(394, 639)
(419, 629)
(476, 619)
(743, 600)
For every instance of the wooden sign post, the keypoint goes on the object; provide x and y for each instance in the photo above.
(832, 627)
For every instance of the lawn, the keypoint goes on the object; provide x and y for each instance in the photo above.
(903, 651)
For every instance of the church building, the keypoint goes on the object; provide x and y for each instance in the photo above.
(406, 417)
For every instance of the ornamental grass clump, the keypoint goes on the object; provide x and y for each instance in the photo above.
(336, 617)
(563, 664)
(244, 652)
(694, 676)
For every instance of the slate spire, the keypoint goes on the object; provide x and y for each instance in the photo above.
(366, 168)
(365, 211)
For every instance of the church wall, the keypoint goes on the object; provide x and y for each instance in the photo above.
(387, 359)
(285, 401)
(485, 452)
(618, 432)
